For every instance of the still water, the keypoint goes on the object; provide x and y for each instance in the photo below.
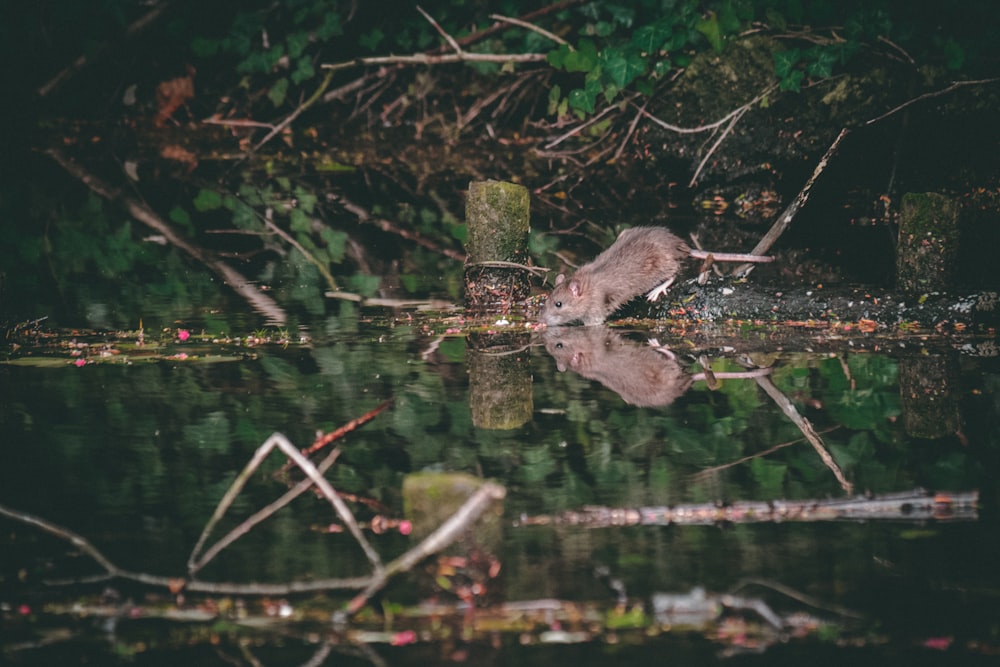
(134, 449)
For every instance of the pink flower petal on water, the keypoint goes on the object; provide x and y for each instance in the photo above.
(80, 362)
(403, 638)
(405, 527)
(183, 334)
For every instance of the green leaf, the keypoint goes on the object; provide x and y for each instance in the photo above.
(307, 200)
(793, 82)
(627, 69)
(785, 61)
(650, 38)
(370, 40)
(297, 43)
(180, 216)
(335, 243)
(205, 48)
(304, 70)
(299, 221)
(582, 100)
(207, 200)
(709, 27)
(584, 59)
(278, 92)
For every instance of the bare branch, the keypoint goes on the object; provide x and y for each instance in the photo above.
(534, 28)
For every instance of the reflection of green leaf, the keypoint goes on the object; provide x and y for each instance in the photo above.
(770, 477)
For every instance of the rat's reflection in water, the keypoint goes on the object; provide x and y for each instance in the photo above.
(643, 375)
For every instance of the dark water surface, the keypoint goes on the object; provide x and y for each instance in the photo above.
(135, 457)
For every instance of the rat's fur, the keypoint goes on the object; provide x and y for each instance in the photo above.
(641, 260)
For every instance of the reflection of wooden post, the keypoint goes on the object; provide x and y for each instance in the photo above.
(496, 214)
(500, 391)
(929, 394)
(928, 243)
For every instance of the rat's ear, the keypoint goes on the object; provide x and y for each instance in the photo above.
(560, 279)
(575, 288)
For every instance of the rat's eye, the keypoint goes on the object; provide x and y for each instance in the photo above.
(559, 346)
(558, 304)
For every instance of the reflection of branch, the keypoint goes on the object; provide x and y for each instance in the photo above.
(259, 516)
(706, 472)
(450, 530)
(282, 443)
(478, 503)
(807, 429)
(141, 212)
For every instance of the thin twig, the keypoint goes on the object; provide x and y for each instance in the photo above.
(711, 151)
(785, 219)
(444, 59)
(943, 91)
(532, 27)
(711, 126)
(451, 40)
(298, 111)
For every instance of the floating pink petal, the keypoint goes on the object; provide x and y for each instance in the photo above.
(80, 362)
(405, 527)
(183, 334)
(403, 638)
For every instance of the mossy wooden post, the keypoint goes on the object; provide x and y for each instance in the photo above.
(500, 394)
(496, 215)
(928, 243)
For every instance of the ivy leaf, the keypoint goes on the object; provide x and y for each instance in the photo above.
(583, 59)
(709, 27)
(207, 200)
(785, 61)
(650, 38)
(622, 69)
(304, 70)
(582, 100)
(278, 92)
(299, 221)
(793, 82)
(307, 200)
(371, 40)
(335, 244)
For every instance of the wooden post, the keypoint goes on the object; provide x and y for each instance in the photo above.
(497, 215)
(928, 243)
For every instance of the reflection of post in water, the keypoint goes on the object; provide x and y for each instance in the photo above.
(928, 390)
(643, 375)
(500, 391)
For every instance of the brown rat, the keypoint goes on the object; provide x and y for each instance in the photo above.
(641, 260)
